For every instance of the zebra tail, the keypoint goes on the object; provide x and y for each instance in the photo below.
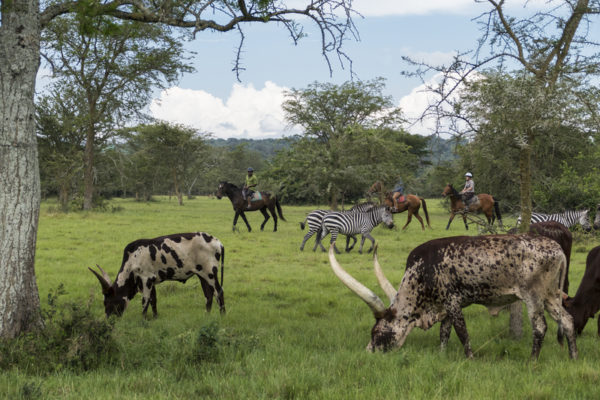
(303, 224)
(497, 210)
(279, 209)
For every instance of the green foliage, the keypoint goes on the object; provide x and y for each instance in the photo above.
(72, 339)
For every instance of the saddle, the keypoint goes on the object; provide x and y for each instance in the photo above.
(255, 196)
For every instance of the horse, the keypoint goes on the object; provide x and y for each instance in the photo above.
(267, 201)
(412, 205)
(376, 187)
(485, 203)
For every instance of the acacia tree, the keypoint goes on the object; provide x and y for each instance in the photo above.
(548, 44)
(351, 135)
(112, 67)
(21, 26)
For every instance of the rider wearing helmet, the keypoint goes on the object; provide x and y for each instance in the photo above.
(468, 191)
(251, 182)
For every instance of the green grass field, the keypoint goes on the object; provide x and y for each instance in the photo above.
(292, 330)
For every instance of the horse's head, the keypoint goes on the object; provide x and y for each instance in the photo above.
(389, 199)
(221, 189)
(448, 190)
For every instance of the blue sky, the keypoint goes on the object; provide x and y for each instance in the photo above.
(212, 100)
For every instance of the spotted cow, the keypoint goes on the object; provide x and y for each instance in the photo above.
(148, 262)
(586, 302)
(445, 275)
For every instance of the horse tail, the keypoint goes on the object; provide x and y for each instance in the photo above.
(497, 211)
(279, 209)
(425, 211)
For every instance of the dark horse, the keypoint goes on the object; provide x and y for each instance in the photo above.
(412, 205)
(268, 201)
(484, 203)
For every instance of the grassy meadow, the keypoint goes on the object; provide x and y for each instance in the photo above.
(292, 329)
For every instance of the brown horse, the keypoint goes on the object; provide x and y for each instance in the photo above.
(268, 201)
(377, 187)
(485, 203)
(412, 205)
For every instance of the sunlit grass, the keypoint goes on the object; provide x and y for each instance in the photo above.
(292, 330)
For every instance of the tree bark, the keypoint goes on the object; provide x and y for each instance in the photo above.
(19, 177)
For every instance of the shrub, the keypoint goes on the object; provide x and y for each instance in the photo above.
(72, 338)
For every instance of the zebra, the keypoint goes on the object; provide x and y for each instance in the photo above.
(567, 218)
(597, 219)
(354, 223)
(314, 219)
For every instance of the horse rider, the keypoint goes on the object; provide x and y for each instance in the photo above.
(398, 192)
(468, 191)
(251, 182)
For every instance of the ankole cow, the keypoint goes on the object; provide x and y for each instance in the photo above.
(586, 302)
(445, 275)
(148, 262)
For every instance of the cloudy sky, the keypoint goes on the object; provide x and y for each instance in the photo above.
(212, 99)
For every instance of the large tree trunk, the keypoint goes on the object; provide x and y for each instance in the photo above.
(19, 174)
(516, 310)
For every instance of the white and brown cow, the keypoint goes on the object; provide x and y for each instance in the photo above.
(177, 257)
(445, 275)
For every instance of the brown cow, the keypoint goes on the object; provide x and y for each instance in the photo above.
(586, 302)
(444, 275)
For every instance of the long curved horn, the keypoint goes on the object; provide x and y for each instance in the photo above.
(372, 300)
(385, 284)
(104, 279)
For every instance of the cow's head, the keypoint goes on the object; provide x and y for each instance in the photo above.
(392, 324)
(114, 303)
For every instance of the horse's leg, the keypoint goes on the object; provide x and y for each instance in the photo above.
(450, 220)
(274, 214)
(235, 218)
(266, 215)
(408, 219)
(418, 217)
(243, 214)
(464, 215)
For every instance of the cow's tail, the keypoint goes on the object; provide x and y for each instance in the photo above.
(279, 209)
(497, 211)
(425, 211)
(222, 263)
(560, 332)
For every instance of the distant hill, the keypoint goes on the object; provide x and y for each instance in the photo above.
(265, 147)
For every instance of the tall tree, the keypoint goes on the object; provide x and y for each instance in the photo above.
(111, 66)
(21, 25)
(351, 135)
(548, 43)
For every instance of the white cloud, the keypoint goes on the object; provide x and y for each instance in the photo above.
(379, 8)
(246, 113)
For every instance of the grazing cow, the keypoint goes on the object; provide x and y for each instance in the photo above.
(559, 233)
(444, 275)
(148, 262)
(586, 302)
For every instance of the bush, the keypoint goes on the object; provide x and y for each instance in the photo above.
(72, 338)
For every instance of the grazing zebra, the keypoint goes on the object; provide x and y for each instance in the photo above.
(567, 218)
(597, 219)
(354, 223)
(315, 218)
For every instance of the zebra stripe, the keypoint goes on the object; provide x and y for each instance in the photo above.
(315, 218)
(567, 218)
(354, 223)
